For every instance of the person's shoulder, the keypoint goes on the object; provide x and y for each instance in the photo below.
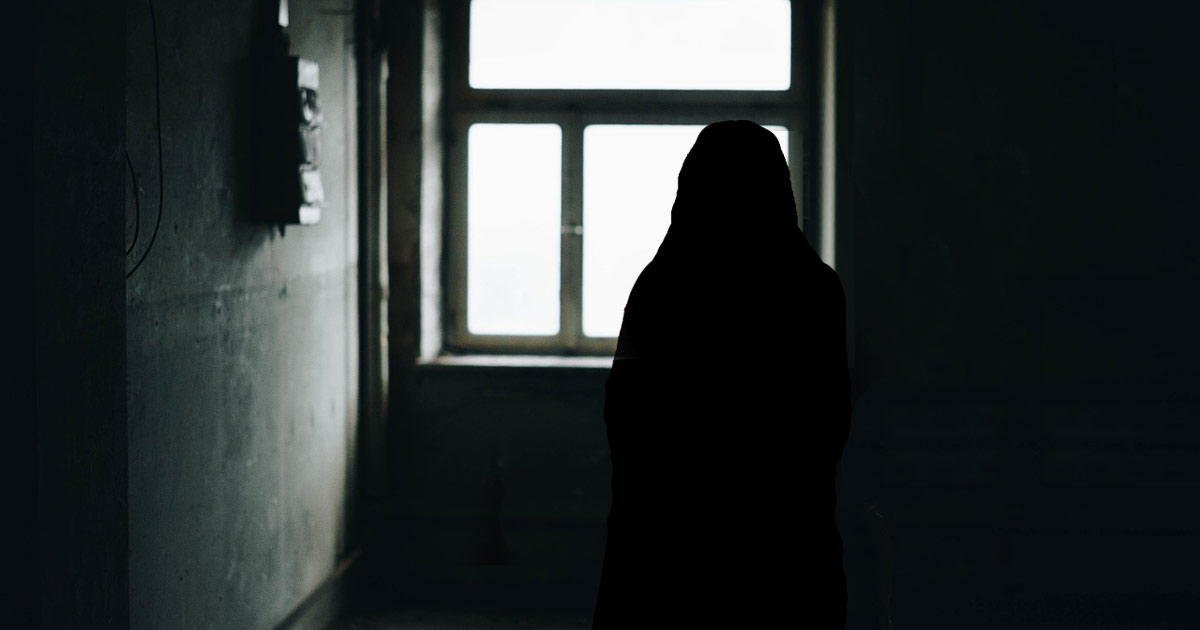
(835, 293)
(819, 277)
(829, 280)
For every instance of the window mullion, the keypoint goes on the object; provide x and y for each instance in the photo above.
(572, 233)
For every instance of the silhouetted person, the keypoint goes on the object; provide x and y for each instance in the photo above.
(727, 409)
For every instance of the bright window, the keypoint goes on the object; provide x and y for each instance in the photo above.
(513, 232)
(568, 121)
(629, 176)
(631, 44)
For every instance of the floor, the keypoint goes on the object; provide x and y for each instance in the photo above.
(458, 621)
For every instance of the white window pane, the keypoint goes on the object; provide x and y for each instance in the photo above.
(514, 214)
(630, 176)
(631, 44)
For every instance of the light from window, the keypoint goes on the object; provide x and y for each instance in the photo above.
(631, 44)
(629, 182)
(514, 218)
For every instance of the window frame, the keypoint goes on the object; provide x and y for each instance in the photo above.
(573, 110)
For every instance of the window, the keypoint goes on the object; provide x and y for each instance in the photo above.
(566, 123)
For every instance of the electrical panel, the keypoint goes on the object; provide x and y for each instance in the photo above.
(287, 135)
(308, 136)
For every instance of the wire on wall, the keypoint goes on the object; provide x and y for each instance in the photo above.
(158, 126)
(137, 206)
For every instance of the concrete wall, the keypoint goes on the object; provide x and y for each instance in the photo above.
(242, 340)
(1026, 349)
(501, 487)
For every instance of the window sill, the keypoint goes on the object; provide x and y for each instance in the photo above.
(507, 361)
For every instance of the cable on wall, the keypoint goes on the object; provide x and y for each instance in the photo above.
(137, 205)
(158, 125)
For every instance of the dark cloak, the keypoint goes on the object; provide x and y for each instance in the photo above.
(727, 408)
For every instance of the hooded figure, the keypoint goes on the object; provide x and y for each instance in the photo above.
(727, 408)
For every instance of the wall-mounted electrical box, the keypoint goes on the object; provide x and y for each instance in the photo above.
(287, 133)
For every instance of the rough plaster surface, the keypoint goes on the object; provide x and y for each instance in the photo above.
(242, 382)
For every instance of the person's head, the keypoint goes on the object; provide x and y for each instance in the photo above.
(735, 177)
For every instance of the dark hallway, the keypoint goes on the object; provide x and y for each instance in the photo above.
(273, 423)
